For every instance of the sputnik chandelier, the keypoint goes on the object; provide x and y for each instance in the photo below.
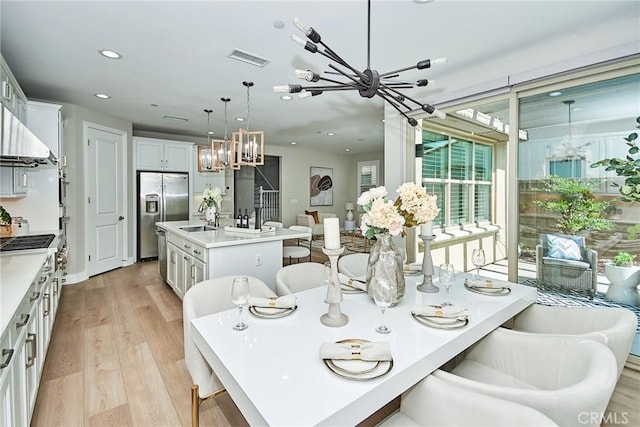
(368, 83)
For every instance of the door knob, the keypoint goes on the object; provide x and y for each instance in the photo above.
(120, 218)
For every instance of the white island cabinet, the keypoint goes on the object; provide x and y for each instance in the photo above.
(193, 256)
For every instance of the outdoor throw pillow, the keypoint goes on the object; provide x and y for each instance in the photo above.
(314, 214)
(566, 247)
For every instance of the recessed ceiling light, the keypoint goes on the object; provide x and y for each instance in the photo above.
(286, 97)
(239, 119)
(347, 149)
(211, 132)
(102, 95)
(293, 143)
(111, 54)
(278, 24)
(556, 93)
(154, 105)
(330, 133)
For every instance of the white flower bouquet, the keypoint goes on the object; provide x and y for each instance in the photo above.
(212, 197)
(412, 207)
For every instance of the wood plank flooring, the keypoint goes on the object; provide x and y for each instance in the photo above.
(116, 359)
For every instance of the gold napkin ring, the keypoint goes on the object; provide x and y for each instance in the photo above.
(272, 302)
(439, 312)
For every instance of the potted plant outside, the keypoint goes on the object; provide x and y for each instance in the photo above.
(624, 278)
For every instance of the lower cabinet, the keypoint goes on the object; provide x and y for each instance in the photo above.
(24, 346)
(185, 265)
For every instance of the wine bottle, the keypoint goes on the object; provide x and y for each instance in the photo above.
(245, 219)
(239, 219)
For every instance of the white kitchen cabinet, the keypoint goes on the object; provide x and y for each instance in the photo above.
(45, 121)
(14, 182)
(24, 344)
(185, 264)
(12, 95)
(162, 155)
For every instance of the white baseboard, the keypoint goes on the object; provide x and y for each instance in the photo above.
(70, 279)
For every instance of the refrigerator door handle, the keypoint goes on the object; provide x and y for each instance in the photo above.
(163, 203)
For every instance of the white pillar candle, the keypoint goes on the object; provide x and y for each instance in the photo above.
(426, 229)
(332, 233)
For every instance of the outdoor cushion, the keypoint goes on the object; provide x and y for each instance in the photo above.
(563, 246)
(566, 263)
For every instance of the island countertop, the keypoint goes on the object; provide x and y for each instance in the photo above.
(220, 238)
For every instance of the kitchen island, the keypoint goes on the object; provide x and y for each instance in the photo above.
(195, 253)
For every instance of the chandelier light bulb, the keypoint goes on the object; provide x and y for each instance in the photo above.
(281, 89)
(299, 25)
(438, 61)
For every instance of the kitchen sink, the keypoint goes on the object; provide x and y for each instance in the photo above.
(192, 228)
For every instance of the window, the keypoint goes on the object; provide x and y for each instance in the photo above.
(459, 173)
(367, 176)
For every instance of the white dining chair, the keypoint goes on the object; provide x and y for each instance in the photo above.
(298, 250)
(615, 327)
(204, 298)
(353, 265)
(299, 277)
(437, 403)
(569, 379)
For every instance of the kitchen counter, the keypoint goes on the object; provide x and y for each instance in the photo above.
(200, 255)
(220, 238)
(17, 271)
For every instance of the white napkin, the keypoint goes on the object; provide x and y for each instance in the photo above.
(354, 283)
(486, 284)
(449, 311)
(286, 301)
(355, 351)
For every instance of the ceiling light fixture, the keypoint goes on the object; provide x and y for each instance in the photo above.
(102, 95)
(368, 83)
(223, 150)
(249, 145)
(111, 54)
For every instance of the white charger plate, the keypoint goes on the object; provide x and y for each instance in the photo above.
(442, 322)
(271, 312)
(359, 370)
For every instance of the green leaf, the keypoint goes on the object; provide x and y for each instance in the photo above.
(633, 150)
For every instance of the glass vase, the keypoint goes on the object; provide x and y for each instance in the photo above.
(385, 263)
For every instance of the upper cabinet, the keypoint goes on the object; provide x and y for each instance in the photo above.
(162, 155)
(12, 96)
(45, 121)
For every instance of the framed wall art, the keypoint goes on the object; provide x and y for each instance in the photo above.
(321, 186)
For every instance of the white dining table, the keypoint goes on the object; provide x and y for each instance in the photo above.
(275, 375)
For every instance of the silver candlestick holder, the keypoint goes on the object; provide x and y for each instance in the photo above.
(427, 267)
(334, 317)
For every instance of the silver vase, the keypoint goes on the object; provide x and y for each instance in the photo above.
(385, 263)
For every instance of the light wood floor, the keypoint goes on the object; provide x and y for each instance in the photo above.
(116, 358)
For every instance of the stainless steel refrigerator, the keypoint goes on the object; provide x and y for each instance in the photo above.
(161, 197)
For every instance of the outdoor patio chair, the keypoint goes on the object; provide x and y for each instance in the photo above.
(564, 261)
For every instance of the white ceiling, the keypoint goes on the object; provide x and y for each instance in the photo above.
(175, 56)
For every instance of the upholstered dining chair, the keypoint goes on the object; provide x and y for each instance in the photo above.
(437, 403)
(614, 327)
(299, 277)
(353, 265)
(300, 250)
(569, 379)
(204, 298)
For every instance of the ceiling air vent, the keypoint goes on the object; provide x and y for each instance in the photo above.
(247, 57)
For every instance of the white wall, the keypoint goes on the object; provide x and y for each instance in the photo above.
(73, 117)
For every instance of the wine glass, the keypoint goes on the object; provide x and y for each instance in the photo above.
(447, 274)
(478, 259)
(383, 297)
(240, 297)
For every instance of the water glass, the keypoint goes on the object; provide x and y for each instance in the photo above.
(478, 259)
(383, 297)
(240, 297)
(447, 275)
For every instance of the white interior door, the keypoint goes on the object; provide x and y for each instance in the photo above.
(105, 199)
